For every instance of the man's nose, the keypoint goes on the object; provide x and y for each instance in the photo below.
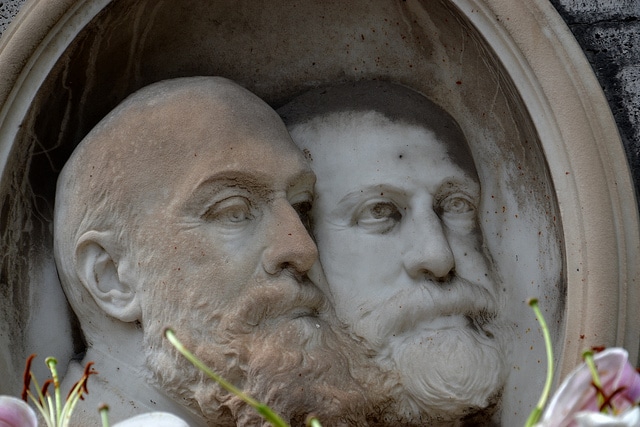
(289, 245)
(427, 251)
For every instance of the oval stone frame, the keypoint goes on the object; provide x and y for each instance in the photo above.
(587, 275)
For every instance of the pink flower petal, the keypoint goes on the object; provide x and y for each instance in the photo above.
(576, 394)
(629, 378)
(16, 413)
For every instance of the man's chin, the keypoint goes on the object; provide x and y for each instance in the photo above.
(446, 374)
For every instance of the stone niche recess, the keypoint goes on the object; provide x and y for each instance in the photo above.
(558, 211)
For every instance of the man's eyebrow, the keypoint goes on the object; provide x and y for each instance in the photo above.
(253, 180)
(371, 190)
(217, 182)
(381, 190)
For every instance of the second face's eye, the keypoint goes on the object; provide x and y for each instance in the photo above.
(458, 211)
(378, 216)
(234, 210)
(456, 205)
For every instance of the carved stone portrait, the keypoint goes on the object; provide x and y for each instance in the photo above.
(442, 167)
(396, 223)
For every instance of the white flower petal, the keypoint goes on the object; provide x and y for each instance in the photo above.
(153, 419)
(598, 419)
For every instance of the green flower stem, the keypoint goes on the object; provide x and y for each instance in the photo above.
(52, 411)
(534, 416)
(587, 355)
(40, 401)
(313, 422)
(73, 399)
(261, 408)
(536, 413)
(40, 409)
(51, 363)
(104, 415)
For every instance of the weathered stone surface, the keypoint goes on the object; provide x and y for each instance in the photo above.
(630, 96)
(577, 142)
(590, 11)
(609, 33)
(8, 10)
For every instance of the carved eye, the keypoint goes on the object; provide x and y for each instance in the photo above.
(234, 210)
(456, 204)
(378, 216)
(458, 213)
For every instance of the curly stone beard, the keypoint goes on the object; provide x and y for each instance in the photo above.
(451, 377)
(449, 350)
(280, 346)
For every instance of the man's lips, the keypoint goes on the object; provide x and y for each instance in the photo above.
(297, 313)
(446, 322)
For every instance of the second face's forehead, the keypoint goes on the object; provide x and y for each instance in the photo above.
(369, 150)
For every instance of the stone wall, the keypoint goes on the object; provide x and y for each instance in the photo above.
(8, 10)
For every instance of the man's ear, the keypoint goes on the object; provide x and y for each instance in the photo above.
(102, 271)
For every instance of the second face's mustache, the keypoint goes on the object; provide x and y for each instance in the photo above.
(409, 309)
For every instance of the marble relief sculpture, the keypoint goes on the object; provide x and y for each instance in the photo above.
(185, 207)
(189, 207)
(405, 264)
(401, 251)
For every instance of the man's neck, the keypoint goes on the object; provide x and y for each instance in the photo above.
(122, 383)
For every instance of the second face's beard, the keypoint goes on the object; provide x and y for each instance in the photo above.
(297, 365)
(447, 376)
(447, 373)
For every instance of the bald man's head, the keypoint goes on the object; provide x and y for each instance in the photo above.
(119, 173)
(183, 208)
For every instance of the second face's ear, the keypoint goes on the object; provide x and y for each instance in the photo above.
(100, 267)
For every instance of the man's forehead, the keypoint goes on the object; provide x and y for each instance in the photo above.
(170, 129)
(178, 141)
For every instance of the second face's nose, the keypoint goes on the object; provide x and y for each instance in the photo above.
(427, 251)
(289, 244)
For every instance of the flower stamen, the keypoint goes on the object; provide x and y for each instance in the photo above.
(26, 378)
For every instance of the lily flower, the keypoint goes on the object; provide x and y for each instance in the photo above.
(54, 412)
(607, 393)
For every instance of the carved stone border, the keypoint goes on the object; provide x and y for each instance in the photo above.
(587, 164)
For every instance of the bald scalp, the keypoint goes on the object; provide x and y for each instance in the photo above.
(145, 142)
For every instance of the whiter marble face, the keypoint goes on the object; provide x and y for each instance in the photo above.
(395, 220)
